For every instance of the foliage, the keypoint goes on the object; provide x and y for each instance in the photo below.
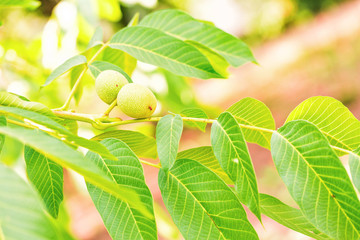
(203, 188)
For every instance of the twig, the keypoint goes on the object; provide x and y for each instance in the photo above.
(111, 107)
(106, 122)
(77, 83)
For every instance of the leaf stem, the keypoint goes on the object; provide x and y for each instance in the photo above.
(150, 164)
(82, 117)
(111, 107)
(341, 149)
(37, 128)
(78, 80)
(73, 90)
(21, 124)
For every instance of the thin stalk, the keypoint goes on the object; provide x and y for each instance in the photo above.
(98, 52)
(150, 164)
(111, 107)
(73, 90)
(341, 149)
(78, 80)
(125, 122)
(89, 118)
(21, 124)
(37, 128)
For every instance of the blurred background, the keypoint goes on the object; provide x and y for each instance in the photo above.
(304, 48)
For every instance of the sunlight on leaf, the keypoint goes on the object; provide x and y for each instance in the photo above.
(155, 47)
(289, 217)
(168, 134)
(195, 113)
(66, 66)
(354, 162)
(97, 38)
(2, 137)
(316, 179)
(122, 220)
(142, 145)
(334, 120)
(47, 178)
(201, 204)
(67, 157)
(99, 66)
(206, 157)
(252, 112)
(181, 25)
(21, 212)
(228, 143)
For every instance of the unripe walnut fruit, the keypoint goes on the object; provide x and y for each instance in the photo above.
(136, 101)
(108, 84)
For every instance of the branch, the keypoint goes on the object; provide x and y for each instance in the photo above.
(106, 122)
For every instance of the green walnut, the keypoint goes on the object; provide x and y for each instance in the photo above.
(108, 85)
(136, 101)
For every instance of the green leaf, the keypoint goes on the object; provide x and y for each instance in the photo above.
(97, 38)
(65, 156)
(252, 112)
(99, 66)
(289, 217)
(201, 204)
(121, 220)
(217, 61)
(334, 120)
(2, 137)
(155, 47)
(91, 145)
(48, 122)
(316, 179)
(20, 96)
(31, 4)
(206, 157)
(1, 231)
(134, 20)
(33, 116)
(173, 98)
(8, 99)
(120, 59)
(21, 212)
(164, 221)
(142, 145)
(185, 27)
(89, 53)
(168, 134)
(70, 125)
(74, 76)
(206, 22)
(231, 150)
(66, 66)
(354, 162)
(47, 178)
(11, 152)
(195, 113)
